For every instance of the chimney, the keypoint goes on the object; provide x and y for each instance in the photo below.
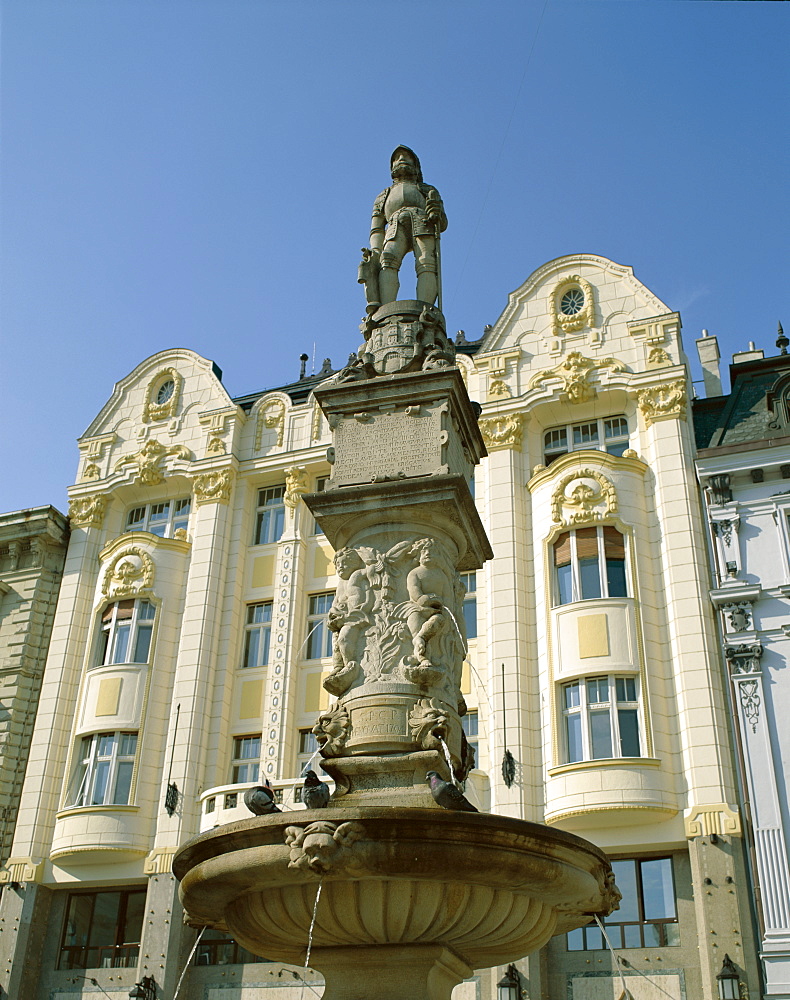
(752, 354)
(708, 350)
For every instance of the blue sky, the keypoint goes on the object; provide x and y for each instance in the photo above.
(199, 173)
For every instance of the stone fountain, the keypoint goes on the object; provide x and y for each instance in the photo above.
(404, 898)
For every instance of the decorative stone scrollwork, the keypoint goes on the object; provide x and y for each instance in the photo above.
(660, 402)
(295, 486)
(499, 389)
(130, 574)
(658, 358)
(91, 472)
(215, 446)
(331, 731)
(502, 431)
(593, 498)
(272, 416)
(738, 616)
(153, 410)
(744, 658)
(149, 460)
(574, 372)
(213, 487)
(585, 316)
(87, 512)
(323, 846)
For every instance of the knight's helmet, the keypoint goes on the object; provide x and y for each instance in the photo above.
(413, 155)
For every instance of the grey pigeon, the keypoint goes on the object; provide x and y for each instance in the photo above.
(447, 795)
(260, 800)
(315, 793)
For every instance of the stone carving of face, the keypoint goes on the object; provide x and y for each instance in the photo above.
(404, 167)
(346, 561)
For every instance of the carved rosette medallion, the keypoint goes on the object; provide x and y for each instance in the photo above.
(575, 373)
(324, 847)
(213, 487)
(581, 496)
(129, 574)
(504, 431)
(87, 512)
(662, 402)
(149, 461)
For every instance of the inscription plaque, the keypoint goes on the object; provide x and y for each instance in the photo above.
(382, 721)
(391, 445)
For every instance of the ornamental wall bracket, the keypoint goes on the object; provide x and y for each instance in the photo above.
(323, 847)
(271, 416)
(295, 486)
(743, 657)
(93, 452)
(213, 487)
(574, 372)
(149, 460)
(713, 817)
(718, 489)
(583, 495)
(565, 323)
(130, 574)
(88, 511)
(154, 410)
(664, 401)
(655, 329)
(502, 431)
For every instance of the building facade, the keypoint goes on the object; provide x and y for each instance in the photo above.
(190, 645)
(744, 468)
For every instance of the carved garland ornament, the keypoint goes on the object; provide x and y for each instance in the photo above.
(129, 574)
(149, 460)
(566, 323)
(503, 431)
(575, 372)
(153, 410)
(661, 402)
(272, 416)
(213, 487)
(87, 512)
(586, 501)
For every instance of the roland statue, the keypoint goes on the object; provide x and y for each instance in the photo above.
(407, 216)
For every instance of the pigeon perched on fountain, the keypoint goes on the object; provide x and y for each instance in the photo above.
(260, 800)
(315, 793)
(447, 795)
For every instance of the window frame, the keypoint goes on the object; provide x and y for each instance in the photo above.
(269, 515)
(110, 630)
(585, 734)
(174, 519)
(263, 629)
(576, 579)
(119, 951)
(239, 760)
(92, 764)
(317, 634)
(469, 608)
(305, 736)
(619, 443)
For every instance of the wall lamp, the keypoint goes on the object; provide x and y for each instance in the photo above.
(727, 981)
(509, 986)
(144, 990)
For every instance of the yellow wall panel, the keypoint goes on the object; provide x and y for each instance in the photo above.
(109, 696)
(323, 564)
(593, 636)
(251, 699)
(466, 678)
(316, 699)
(262, 571)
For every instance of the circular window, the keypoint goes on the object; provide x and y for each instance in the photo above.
(166, 390)
(572, 302)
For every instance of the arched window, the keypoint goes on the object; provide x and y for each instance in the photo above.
(589, 563)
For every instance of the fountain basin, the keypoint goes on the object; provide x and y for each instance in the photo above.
(449, 891)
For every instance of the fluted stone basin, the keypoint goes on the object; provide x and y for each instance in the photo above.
(417, 896)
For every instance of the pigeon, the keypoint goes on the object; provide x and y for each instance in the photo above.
(447, 795)
(260, 800)
(315, 793)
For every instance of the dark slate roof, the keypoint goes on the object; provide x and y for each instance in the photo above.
(745, 416)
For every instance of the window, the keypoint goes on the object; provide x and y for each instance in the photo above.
(469, 580)
(270, 515)
(601, 718)
(104, 772)
(308, 745)
(589, 563)
(609, 434)
(126, 629)
(102, 930)
(218, 948)
(647, 917)
(246, 759)
(319, 638)
(469, 723)
(163, 519)
(320, 486)
(257, 638)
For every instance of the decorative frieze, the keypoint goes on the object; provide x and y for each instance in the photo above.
(503, 431)
(149, 461)
(581, 496)
(664, 401)
(575, 373)
(87, 511)
(213, 487)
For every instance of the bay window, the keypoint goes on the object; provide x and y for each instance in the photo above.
(601, 718)
(126, 629)
(609, 434)
(104, 771)
(162, 519)
(589, 563)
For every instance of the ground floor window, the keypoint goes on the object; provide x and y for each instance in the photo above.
(647, 917)
(102, 930)
(219, 948)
